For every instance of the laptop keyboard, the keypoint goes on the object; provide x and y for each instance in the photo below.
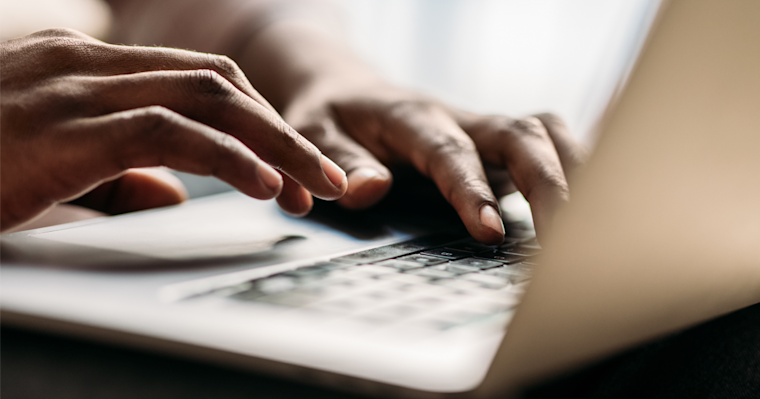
(436, 283)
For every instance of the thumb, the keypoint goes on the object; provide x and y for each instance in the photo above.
(135, 190)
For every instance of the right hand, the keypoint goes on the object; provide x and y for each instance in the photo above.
(78, 113)
(366, 128)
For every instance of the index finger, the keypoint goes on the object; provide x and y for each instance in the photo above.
(205, 96)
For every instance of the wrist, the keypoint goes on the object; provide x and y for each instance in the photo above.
(291, 58)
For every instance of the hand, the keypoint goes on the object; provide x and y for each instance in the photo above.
(366, 124)
(78, 113)
(365, 128)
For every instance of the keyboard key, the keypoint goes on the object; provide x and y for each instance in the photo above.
(502, 272)
(450, 254)
(516, 272)
(275, 284)
(328, 265)
(399, 264)
(228, 291)
(454, 268)
(307, 271)
(470, 246)
(487, 281)
(247, 295)
(404, 278)
(394, 311)
(460, 316)
(374, 270)
(431, 273)
(459, 284)
(381, 295)
(395, 250)
(479, 263)
(423, 260)
(413, 289)
(519, 278)
(326, 291)
(290, 299)
(431, 324)
(500, 256)
(427, 302)
(521, 267)
(344, 305)
(523, 250)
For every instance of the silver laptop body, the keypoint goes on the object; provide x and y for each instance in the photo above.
(663, 232)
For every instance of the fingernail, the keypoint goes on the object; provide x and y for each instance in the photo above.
(270, 177)
(358, 177)
(489, 217)
(336, 175)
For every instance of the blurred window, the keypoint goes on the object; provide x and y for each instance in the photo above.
(505, 56)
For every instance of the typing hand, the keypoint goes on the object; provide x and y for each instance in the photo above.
(78, 113)
(365, 128)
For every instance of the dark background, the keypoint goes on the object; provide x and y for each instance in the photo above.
(719, 359)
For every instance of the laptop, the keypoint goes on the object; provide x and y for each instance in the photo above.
(663, 232)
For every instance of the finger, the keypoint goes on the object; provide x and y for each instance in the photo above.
(368, 179)
(524, 147)
(144, 59)
(500, 180)
(108, 145)
(429, 139)
(205, 96)
(135, 190)
(63, 33)
(75, 48)
(571, 153)
(294, 199)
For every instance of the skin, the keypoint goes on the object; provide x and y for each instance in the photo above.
(78, 115)
(368, 125)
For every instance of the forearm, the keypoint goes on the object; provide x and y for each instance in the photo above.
(276, 43)
(200, 25)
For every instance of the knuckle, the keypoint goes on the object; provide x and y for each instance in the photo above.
(227, 144)
(505, 129)
(67, 52)
(155, 119)
(209, 83)
(224, 63)
(62, 32)
(447, 149)
(446, 146)
(550, 118)
(225, 148)
(529, 126)
(225, 66)
(410, 107)
(295, 143)
(471, 187)
(548, 179)
(156, 130)
(143, 136)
